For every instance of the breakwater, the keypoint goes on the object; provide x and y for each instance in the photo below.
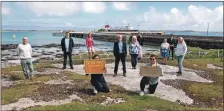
(193, 41)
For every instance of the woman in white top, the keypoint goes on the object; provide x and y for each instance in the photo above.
(180, 51)
(164, 51)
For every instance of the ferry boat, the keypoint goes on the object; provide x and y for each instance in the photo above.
(126, 30)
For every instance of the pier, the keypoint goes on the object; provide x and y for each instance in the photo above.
(214, 42)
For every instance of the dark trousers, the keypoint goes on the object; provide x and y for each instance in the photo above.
(172, 52)
(134, 60)
(145, 81)
(117, 60)
(98, 81)
(69, 54)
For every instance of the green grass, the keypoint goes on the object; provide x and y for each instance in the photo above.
(133, 102)
(76, 57)
(211, 53)
(44, 65)
(206, 91)
(72, 75)
(15, 93)
(11, 68)
(203, 91)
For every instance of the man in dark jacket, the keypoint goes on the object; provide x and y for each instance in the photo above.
(120, 53)
(67, 45)
(140, 39)
(172, 43)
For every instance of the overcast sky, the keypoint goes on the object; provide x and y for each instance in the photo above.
(94, 15)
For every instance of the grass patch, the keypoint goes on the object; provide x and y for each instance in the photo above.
(202, 63)
(44, 65)
(17, 76)
(74, 76)
(7, 70)
(76, 57)
(133, 102)
(204, 53)
(13, 94)
(205, 91)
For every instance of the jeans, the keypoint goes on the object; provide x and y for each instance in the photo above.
(172, 53)
(152, 87)
(98, 81)
(134, 60)
(27, 63)
(69, 54)
(180, 60)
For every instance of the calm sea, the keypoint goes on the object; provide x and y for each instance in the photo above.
(45, 37)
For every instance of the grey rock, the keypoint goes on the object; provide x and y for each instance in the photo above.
(59, 55)
(4, 59)
(5, 53)
(36, 61)
(36, 54)
(13, 58)
(46, 53)
(6, 81)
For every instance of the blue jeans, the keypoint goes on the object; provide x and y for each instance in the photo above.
(134, 60)
(27, 63)
(180, 60)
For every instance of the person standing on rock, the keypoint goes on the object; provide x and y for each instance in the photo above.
(152, 81)
(120, 53)
(98, 82)
(180, 52)
(172, 43)
(67, 45)
(24, 51)
(90, 45)
(134, 50)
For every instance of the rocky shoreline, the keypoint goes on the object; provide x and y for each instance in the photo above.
(14, 46)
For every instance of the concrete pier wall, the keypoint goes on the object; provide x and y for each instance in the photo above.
(193, 41)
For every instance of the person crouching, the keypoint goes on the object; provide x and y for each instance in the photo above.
(152, 81)
(98, 82)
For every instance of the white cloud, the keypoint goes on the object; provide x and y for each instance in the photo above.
(5, 10)
(52, 8)
(94, 7)
(195, 18)
(124, 6)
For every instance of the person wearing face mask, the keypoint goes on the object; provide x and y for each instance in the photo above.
(152, 81)
(180, 52)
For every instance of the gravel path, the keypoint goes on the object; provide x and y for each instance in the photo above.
(163, 91)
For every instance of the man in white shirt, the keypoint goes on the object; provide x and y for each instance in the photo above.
(24, 51)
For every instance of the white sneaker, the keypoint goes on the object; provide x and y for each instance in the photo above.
(141, 93)
(94, 90)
